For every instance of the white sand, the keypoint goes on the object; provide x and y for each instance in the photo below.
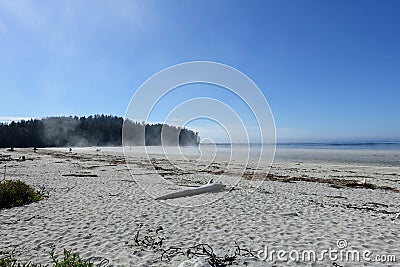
(99, 216)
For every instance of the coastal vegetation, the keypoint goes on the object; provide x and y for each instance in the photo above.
(69, 259)
(17, 193)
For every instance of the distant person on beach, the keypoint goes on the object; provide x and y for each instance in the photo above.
(70, 149)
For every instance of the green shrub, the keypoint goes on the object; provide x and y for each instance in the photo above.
(16, 193)
(70, 260)
(6, 262)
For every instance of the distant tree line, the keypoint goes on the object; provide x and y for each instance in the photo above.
(139, 134)
(97, 130)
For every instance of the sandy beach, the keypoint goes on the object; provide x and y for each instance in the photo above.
(311, 200)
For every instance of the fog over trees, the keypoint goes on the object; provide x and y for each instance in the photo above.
(97, 130)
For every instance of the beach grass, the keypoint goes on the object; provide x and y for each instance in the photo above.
(69, 260)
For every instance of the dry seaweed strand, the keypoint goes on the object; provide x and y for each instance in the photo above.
(205, 250)
(334, 182)
(154, 241)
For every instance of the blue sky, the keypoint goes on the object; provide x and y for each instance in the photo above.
(330, 70)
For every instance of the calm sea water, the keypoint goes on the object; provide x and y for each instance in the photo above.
(357, 153)
(361, 153)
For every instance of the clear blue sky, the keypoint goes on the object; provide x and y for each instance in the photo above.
(330, 70)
